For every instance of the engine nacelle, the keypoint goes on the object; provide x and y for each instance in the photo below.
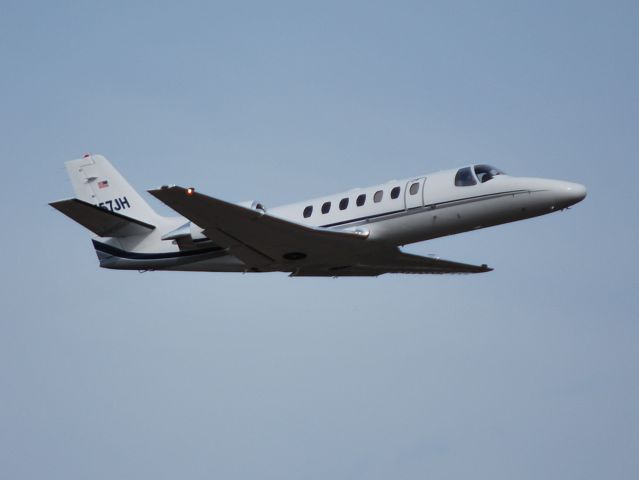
(253, 205)
(191, 231)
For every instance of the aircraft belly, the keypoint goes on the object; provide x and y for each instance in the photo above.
(450, 220)
(228, 263)
(210, 262)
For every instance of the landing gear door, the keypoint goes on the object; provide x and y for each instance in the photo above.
(414, 193)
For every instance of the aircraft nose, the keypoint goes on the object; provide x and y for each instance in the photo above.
(571, 193)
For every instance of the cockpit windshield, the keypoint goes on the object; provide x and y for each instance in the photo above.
(486, 172)
(468, 176)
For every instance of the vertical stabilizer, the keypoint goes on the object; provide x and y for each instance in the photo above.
(96, 181)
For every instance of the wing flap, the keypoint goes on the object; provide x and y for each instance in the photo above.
(100, 221)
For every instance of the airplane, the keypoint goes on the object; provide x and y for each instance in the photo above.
(354, 233)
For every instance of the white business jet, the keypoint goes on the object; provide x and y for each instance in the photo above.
(355, 233)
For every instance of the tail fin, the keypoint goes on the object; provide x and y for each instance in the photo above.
(97, 182)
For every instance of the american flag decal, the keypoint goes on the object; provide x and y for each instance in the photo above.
(103, 184)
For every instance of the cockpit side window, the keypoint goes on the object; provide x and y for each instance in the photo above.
(486, 172)
(465, 177)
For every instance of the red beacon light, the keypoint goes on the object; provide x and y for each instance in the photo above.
(190, 191)
(86, 155)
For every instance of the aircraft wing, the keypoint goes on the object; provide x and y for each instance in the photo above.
(266, 242)
(255, 237)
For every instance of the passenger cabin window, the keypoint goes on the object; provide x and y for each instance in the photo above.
(486, 172)
(326, 207)
(308, 211)
(379, 194)
(360, 200)
(395, 192)
(414, 188)
(465, 177)
(343, 203)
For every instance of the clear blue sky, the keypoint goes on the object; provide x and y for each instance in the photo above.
(531, 371)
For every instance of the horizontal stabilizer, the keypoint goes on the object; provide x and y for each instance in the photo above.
(100, 221)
